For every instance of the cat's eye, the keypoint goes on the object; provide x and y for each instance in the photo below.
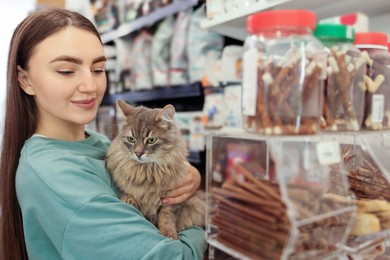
(131, 139)
(151, 140)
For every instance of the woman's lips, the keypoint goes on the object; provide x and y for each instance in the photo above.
(86, 104)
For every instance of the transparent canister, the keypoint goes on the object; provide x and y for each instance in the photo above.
(377, 79)
(344, 90)
(284, 67)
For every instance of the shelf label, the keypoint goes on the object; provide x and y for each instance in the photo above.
(377, 108)
(249, 82)
(328, 152)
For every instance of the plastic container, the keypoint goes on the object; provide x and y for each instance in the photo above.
(298, 197)
(344, 89)
(365, 162)
(377, 104)
(270, 198)
(283, 73)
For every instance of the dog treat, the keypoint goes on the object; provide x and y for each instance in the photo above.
(366, 223)
(288, 94)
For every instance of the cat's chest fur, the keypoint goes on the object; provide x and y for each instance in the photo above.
(147, 184)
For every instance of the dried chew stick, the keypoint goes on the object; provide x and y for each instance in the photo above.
(247, 174)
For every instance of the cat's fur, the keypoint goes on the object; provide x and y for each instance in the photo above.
(145, 170)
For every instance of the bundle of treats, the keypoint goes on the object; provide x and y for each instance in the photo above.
(288, 94)
(251, 217)
(319, 237)
(372, 216)
(365, 178)
(345, 90)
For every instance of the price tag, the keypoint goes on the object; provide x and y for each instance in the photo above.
(328, 153)
(377, 108)
(249, 82)
(386, 140)
(217, 176)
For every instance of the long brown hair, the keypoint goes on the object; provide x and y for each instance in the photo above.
(21, 119)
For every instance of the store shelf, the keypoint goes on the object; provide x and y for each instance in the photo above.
(233, 24)
(157, 93)
(147, 20)
(194, 156)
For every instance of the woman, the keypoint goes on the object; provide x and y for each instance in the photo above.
(57, 199)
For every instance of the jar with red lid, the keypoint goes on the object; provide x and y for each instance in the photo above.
(377, 80)
(283, 73)
(344, 91)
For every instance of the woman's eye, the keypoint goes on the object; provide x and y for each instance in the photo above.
(151, 140)
(65, 72)
(98, 71)
(131, 139)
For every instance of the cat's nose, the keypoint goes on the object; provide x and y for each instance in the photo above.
(139, 154)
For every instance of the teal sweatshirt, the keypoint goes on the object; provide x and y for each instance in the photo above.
(71, 209)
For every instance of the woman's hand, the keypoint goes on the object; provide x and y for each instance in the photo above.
(185, 188)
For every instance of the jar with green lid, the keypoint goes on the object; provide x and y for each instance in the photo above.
(283, 73)
(344, 91)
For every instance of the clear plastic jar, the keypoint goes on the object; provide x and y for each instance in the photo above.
(283, 73)
(344, 90)
(377, 81)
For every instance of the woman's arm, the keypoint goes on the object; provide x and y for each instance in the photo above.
(107, 228)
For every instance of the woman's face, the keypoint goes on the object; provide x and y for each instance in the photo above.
(66, 77)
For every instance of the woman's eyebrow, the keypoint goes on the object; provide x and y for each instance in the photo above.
(77, 60)
(99, 59)
(68, 59)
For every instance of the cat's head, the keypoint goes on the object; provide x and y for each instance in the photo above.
(150, 135)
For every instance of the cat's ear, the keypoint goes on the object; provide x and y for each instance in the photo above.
(124, 107)
(167, 114)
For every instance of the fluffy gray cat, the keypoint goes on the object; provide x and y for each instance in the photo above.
(146, 159)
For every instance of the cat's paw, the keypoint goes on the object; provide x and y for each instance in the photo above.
(130, 200)
(169, 233)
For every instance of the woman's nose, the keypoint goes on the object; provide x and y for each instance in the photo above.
(88, 82)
